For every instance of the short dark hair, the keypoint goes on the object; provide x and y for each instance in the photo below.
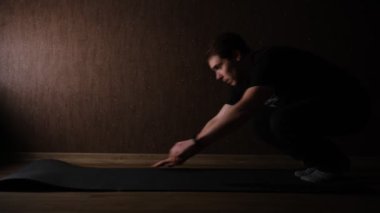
(225, 44)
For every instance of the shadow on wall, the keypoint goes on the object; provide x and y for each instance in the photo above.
(13, 136)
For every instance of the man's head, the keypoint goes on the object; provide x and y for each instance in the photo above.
(224, 53)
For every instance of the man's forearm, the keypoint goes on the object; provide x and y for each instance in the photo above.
(218, 126)
(209, 124)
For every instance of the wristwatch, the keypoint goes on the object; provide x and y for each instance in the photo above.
(194, 138)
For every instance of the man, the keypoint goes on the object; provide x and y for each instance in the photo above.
(297, 100)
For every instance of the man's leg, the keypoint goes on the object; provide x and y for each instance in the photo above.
(299, 129)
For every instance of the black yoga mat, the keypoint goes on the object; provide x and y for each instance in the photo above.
(55, 175)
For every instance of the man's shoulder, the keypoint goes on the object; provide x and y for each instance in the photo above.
(266, 55)
(277, 49)
(282, 54)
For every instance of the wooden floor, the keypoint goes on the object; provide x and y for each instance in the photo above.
(184, 201)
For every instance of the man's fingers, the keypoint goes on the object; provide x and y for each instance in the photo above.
(161, 163)
(158, 164)
(170, 162)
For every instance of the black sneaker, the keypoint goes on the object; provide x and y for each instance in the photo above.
(304, 172)
(318, 176)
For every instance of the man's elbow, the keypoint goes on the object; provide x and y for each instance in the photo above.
(243, 112)
(249, 109)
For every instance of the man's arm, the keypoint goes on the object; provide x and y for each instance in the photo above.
(222, 111)
(232, 116)
(228, 117)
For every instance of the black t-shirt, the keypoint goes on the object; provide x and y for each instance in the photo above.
(294, 74)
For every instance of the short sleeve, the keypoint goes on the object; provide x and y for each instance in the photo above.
(259, 75)
(235, 96)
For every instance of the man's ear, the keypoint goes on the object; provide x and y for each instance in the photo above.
(237, 55)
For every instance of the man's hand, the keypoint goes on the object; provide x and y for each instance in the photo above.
(179, 153)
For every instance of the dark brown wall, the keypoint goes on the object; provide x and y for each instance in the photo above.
(130, 76)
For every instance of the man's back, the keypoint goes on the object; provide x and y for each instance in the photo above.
(297, 74)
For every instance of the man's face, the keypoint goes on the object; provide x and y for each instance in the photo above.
(224, 69)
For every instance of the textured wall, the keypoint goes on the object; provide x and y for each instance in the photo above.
(130, 76)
